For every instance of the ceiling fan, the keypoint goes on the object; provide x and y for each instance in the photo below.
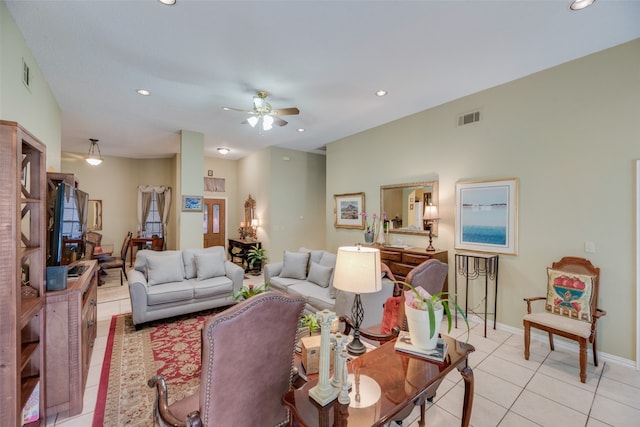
(262, 112)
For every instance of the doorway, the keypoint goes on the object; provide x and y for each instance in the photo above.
(214, 222)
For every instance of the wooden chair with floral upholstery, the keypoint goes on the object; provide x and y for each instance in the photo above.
(571, 307)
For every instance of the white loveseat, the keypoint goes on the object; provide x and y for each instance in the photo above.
(170, 283)
(310, 273)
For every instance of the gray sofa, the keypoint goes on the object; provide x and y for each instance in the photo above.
(310, 273)
(170, 283)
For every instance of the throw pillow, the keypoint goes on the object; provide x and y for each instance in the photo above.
(319, 274)
(208, 265)
(569, 294)
(328, 259)
(164, 269)
(294, 265)
(390, 314)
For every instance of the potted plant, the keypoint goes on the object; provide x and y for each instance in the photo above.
(311, 322)
(248, 291)
(424, 314)
(255, 257)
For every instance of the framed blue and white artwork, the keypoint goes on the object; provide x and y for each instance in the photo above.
(487, 216)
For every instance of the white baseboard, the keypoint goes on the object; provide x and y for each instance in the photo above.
(560, 343)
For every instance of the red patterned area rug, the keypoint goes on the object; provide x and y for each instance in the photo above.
(170, 348)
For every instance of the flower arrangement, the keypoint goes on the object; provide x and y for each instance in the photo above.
(246, 292)
(420, 299)
(374, 228)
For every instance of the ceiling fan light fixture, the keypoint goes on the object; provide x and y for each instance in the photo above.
(580, 4)
(92, 158)
(267, 122)
(253, 120)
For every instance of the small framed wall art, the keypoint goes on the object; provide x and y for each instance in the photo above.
(191, 203)
(486, 216)
(347, 209)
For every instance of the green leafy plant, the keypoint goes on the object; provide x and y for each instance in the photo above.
(246, 292)
(420, 299)
(311, 322)
(256, 254)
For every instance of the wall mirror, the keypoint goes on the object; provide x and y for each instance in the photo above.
(248, 226)
(404, 205)
(94, 216)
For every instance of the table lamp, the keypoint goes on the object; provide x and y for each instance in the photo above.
(430, 216)
(357, 271)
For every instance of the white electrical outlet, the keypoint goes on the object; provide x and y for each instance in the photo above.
(590, 247)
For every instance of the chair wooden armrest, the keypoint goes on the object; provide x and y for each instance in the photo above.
(599, 313)
(162, 405)
(530, 300)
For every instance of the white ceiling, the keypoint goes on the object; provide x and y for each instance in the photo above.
(325, 57)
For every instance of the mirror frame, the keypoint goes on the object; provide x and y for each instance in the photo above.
(434, 201)
(96, 224)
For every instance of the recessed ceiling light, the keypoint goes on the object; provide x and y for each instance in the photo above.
(143, 92)
(381, 92)
(300, 130)
(580, 4)
(168, 2)
(223, 150)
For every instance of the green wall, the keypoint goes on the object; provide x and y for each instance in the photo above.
(568, 133)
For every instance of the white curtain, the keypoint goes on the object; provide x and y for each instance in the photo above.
(163, 194)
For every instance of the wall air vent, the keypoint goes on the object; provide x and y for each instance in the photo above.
(26, 76)
(468, 118)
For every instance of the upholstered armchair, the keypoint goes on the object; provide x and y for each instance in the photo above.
(571, 309)
(247, 365)
(430, 275)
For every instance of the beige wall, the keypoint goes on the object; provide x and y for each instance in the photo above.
(34, 108)
(289, 188)
(568, 133)
(115, 181)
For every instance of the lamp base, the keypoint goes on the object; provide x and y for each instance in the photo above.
(356, 347)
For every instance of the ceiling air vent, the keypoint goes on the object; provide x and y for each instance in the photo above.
(468, 118)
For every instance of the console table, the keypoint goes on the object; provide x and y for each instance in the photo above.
(474, 265)
(394, 379)
(238, 249)
(402, 259)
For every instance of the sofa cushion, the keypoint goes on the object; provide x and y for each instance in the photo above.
(170, 293)
(141, 258)
(209, 264)
(319, 274)
(329, 259)
(278, 283)
(294, 265)
(164, 269)
(213, 287)
(314, 254)
(188, 256)
(309, 289)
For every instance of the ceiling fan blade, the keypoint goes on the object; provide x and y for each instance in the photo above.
(237, 109)
(285, 111)
(278, 121)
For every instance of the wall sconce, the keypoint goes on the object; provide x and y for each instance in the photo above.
(430, 216)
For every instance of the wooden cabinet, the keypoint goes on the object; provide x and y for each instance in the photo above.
(22, 272)
(402, 260)
(71, 328)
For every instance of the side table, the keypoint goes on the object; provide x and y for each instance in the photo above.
(471, 266)
(238, 249)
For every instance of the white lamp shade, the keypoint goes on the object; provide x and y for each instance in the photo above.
(358, 270)
(253, 120)
(431, 212)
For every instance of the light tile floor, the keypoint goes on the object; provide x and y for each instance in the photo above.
(509, 391)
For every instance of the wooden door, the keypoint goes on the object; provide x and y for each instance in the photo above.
(214, 222)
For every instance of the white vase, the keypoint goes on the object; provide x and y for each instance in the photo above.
(419, 330)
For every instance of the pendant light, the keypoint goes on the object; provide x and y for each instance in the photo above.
(92, 158)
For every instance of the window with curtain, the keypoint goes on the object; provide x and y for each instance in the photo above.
(153, 225)
(154, 205)
(71, 225)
